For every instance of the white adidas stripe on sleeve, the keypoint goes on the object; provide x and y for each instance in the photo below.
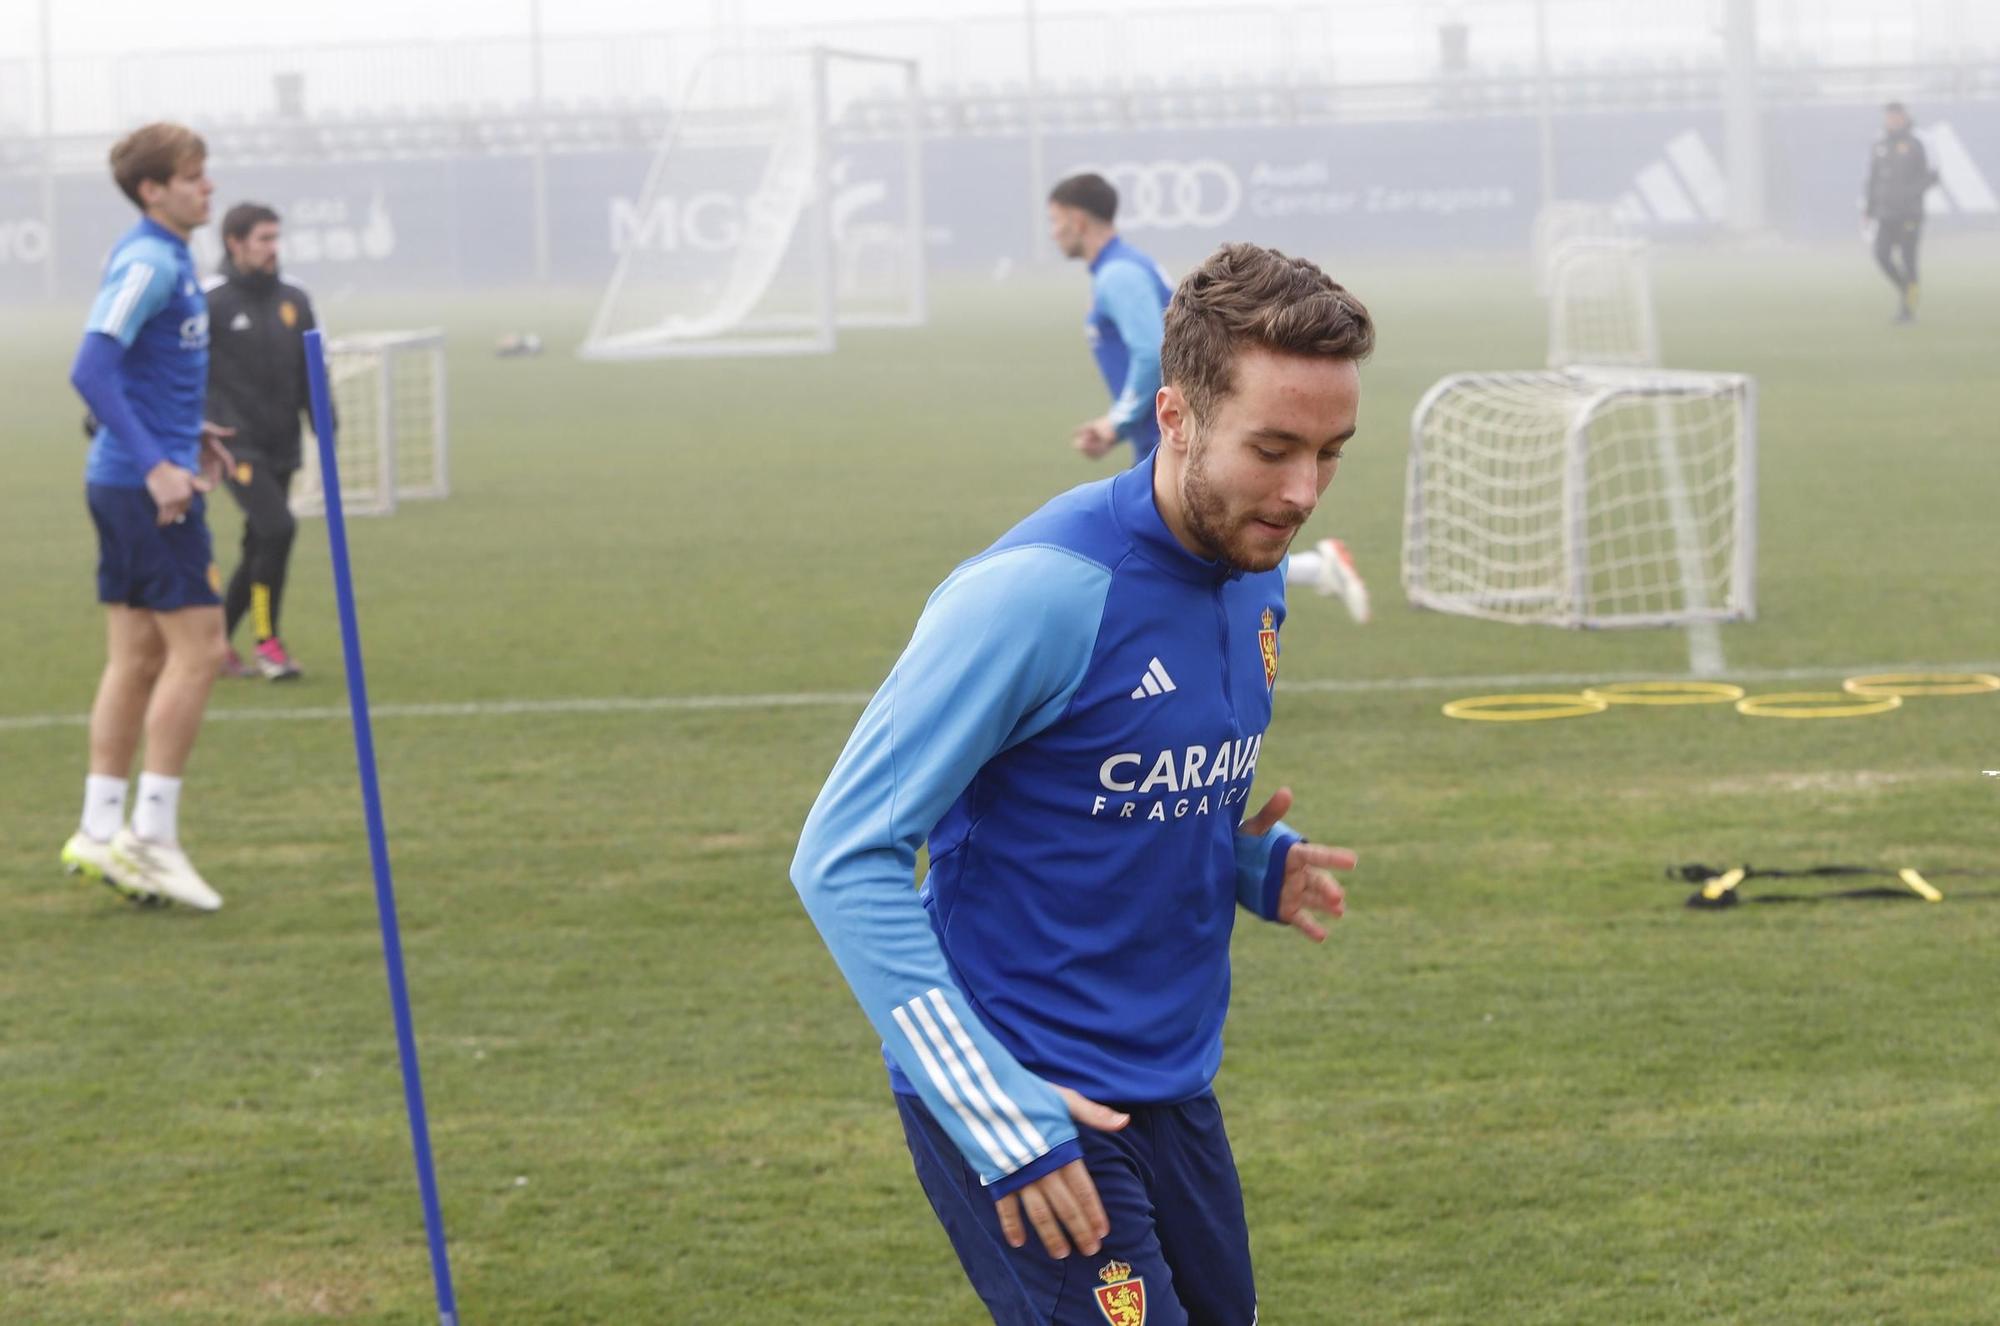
(943, 1084)
(1019, 1153)
(137, 277)
(963, 1040)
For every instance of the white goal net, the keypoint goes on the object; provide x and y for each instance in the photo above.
(1559, 222)
(1587, 498)
(784, 206)
(390, 434)
(1601, 304)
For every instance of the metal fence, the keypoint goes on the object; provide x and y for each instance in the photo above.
(997, 58)
(502, 130)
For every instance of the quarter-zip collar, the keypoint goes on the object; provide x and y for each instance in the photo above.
(158, 231)
(1112, 248)
(1138, 515)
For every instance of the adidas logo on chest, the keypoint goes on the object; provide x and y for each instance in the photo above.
(1154, 681)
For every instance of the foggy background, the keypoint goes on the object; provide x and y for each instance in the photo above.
(463, 144)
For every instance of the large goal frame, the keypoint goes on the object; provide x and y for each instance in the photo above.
(777, 220)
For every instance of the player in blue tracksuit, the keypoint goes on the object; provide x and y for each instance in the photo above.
(142, 367)
(1129, 294)
(1074, 728)
(1128, 304)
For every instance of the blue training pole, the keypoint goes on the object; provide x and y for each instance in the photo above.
(378, 838)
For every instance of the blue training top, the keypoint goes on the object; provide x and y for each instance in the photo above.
(151, 303)
(1075, 727)
(1128, 304)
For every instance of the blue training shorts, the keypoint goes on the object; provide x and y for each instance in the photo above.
(144, 564)
(1178, 1253)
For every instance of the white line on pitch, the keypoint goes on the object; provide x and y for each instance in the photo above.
(1705, 651)
(615, 704)
(639, 704)
(1592, 678)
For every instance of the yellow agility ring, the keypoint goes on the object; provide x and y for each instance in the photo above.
(1665, 692)
(1494, 708)
(1816, 704)
(1880, 684)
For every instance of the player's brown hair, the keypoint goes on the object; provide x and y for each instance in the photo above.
(156, 152)
(1246, 295)
(1089, 193)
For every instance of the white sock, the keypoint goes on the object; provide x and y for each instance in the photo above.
(103, 806)
(156, 816)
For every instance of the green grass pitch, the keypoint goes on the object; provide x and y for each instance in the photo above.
(1521, 1084)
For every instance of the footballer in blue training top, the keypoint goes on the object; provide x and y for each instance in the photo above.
(1128, 305)
(1074, 729)
(142, 367)
(1129, 294)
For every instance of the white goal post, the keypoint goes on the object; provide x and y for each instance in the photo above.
(1564, 220)
(391, 429)
(1585, 498)
(784, 206)
(1601, 304)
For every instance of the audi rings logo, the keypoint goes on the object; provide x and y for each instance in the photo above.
(1173, 195)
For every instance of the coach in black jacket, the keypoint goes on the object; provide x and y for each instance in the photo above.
(1899, 174)
(257, 385)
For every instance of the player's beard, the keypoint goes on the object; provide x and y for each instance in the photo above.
(1226, 536)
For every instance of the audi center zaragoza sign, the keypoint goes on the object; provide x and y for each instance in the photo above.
(1202, 194)
(1209, 194)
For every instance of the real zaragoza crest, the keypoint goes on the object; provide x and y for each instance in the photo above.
(1267, 644)
(1122, 1296)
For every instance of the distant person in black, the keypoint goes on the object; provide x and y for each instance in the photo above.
(1899, 174)
(257, 384)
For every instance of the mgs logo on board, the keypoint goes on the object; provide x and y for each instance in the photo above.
(719, 220)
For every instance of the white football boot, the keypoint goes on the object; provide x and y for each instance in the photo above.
(86, 857)
(1337, 576)
(165, 870)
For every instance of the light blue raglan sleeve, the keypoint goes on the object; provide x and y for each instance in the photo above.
(138, 282)
(1127, 295)
(996, 657)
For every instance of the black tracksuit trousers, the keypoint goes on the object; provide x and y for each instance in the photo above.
(258, 587)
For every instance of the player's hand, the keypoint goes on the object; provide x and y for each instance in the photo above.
(172, 489)
(1063, 1206)
(1096, 438)
(1309, 884)
(216, 459)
